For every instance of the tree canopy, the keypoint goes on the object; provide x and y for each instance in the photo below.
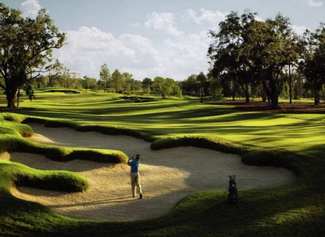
(312, 65)
(25, 48)
(254, 52)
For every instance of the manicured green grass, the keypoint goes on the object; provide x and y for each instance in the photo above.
(300, 133)
(12, 139)
(13, 135)
(21, 175)
(294, 141)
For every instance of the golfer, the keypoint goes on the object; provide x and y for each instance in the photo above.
(135, 176)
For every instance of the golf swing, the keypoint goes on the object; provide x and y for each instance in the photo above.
(135, 176)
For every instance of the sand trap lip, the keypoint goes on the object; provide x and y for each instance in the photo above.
(167, 176)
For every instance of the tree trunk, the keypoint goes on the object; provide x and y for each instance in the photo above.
(247, 95)
(274, 95)
(11, 95)
(264, 98)
(316, 97)
(18, 98)
(266, 95)
(275, 101)
(233, 91)
(290, 85)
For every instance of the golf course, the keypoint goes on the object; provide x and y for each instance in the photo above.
(63, 175)
(162, 119)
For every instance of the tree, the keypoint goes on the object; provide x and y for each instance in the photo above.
(146, 85)
(190, 86)
(166, 87)
(157, 86)
(227, 54)
(59, 76)
(313, 64)
(89, 83)
(41, 82)
(104, 76)
(203, 85)
(128, 82)
(132, 84)
(117, 81)
(271, 46)
(254, 54)
(25, 48)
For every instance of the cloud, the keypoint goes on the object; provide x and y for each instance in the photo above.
(176, 54)
(30, 8)
(164, 21)
(186, 55)
(204, 16)
(315, 3)
(144, 53)
(89, 47)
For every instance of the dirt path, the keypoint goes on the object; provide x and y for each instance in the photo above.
(167, 176)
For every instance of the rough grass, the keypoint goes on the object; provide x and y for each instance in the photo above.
(294, 141)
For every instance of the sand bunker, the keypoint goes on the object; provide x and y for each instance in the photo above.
(167, 176)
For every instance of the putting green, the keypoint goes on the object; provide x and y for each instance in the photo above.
(167, 176)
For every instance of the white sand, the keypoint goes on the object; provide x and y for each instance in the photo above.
(167, 176)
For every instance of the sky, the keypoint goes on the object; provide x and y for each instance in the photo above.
(151, 38)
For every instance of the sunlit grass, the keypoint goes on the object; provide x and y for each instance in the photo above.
(174, 117)
(296, 210)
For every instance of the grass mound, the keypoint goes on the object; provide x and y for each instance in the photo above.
(202, 142)
(10, 125)
(89, 128)
(283, 159)
(22, 175)
(66, 91)
(60, 153)
(138, 99)
(12, 140)
(10, 117)
(272, 158)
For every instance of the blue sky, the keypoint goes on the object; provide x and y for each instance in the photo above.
(150, 37)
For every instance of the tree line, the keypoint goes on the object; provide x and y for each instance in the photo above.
(124, 83)
(116, 82)
(257, 57)
(204, 86)
(248, 58)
